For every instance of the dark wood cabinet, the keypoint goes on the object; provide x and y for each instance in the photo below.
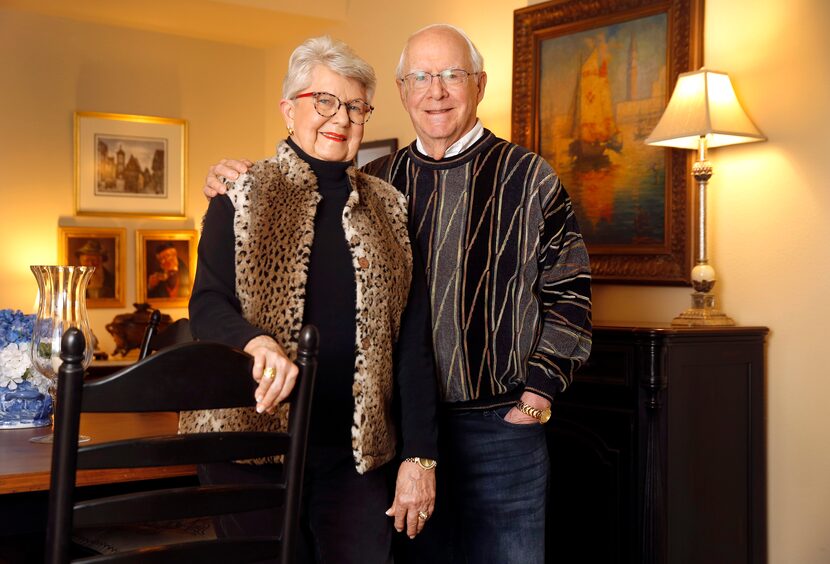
(658, 449)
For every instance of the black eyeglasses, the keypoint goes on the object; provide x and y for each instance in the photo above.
(327, 105)
(421, 80)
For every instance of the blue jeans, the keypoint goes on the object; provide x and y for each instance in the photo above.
(492, 486)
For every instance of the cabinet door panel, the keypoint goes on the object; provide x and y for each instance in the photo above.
(709, 430)
(591, 503)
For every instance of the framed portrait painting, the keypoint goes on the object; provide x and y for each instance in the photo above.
(130, 165)
(590, 82)
(106, 250)
(166, 263)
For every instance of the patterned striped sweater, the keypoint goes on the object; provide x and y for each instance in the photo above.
(506, 266)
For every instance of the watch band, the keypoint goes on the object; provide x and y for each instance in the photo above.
(541, 415)
(425, 463)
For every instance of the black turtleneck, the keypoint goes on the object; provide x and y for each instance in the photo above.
(330, 304)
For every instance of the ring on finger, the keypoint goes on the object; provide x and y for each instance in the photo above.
(423, 515)
(269, 373)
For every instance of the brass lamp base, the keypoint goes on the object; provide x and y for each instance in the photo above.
(702, 313)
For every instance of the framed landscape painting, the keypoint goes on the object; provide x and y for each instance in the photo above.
(166, 263)
(591, 80)
(106, 250)
(130, 165)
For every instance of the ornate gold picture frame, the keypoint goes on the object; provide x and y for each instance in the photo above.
(590, 81)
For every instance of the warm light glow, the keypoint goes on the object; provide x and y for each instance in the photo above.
(497, 50)
(703, 104)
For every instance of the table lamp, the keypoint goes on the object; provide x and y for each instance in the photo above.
(703, 112)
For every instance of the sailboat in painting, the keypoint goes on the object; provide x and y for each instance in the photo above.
(594, 126)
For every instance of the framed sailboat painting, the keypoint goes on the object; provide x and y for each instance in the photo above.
(590, 82)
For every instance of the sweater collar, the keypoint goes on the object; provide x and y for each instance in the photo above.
(487, 138)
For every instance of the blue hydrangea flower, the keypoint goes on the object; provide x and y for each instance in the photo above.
(15, 327)
(24, 397)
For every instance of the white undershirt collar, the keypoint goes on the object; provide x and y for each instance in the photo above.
(466, 141)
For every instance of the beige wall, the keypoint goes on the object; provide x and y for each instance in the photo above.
(769, 202)
(53, 67)
(771, 230)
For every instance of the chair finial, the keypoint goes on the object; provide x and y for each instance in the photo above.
(73, 345)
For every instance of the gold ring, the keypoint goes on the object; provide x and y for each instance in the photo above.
(269, 373)
(423, 515)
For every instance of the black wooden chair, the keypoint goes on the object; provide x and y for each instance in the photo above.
(187, 376)
(153, 339)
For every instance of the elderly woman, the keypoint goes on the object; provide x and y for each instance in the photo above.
(304, 237)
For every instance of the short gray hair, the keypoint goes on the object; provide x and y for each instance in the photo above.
(330, 53)
(472, 51)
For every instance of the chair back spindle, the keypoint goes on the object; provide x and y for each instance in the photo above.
(64, 452)
(299, 418)
(149, 333)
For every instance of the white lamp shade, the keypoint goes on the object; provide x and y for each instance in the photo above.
(703, 104)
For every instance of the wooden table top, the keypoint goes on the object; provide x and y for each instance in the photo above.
(24, 466)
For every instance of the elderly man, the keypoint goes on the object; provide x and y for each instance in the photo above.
(172, 277)
(510, 291)
(102, 283)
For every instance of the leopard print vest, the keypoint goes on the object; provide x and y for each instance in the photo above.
(275, 205)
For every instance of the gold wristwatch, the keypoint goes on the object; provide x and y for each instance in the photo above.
(542, 415)
(425, 463)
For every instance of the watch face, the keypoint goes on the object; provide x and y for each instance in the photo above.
(427, 463)
(544, 416)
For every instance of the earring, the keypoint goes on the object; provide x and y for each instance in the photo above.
(291, 132)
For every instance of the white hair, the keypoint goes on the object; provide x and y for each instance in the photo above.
(332, 54)
(472, 51)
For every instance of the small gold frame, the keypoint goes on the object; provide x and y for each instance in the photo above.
(107, 286)
(151, 279)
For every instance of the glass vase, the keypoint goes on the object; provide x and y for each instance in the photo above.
(62, 304)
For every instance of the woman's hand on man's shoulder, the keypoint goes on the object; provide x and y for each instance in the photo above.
(226, 169)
